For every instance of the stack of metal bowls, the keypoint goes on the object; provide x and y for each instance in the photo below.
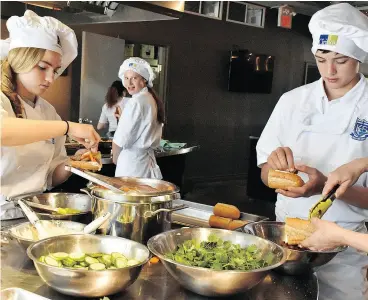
(298, 262)
(209, 282)
(88, 283)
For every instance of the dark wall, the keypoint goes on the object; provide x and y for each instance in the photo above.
(200, 109)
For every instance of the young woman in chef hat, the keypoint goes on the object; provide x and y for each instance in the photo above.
(37, 52)
(325, 124)
(140, 127)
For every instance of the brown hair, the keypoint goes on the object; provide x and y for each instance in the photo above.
(19, 60)
(115, 91)
(160, 106)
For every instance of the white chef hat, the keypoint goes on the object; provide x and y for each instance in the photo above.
(140, 66)
(340, 28)
(47, 33)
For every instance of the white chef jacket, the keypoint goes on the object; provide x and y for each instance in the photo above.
(108, 114)
(138, 134)
(29, 168)
(324, 135)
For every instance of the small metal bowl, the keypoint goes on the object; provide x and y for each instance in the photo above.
(209, 282)
(298, 262)
(81, 202)
(88, 283)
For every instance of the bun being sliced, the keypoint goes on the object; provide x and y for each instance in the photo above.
(297, 230)
(283, 180)
(86, 161)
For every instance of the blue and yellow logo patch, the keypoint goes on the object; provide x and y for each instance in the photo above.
(133, 65)
(328, 39)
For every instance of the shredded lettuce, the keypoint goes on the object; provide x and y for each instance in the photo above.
(217, 254)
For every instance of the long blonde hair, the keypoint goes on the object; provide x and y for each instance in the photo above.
(19, 60)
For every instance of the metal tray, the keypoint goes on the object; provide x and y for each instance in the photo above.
(197, 215)
(19, 294)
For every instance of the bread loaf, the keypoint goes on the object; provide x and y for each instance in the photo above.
(226, 211)
(219, 222)
(235, 224)
(297, 230)
(283, 180)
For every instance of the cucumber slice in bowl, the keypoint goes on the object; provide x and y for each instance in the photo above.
(97, 267)
(77, 256)
(59, 255)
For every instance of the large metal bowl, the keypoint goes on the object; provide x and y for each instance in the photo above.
(81, 202)
(208, 282)
(18, 232)
(88, 283)
(298, 262)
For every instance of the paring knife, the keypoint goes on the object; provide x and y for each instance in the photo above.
(320, 208)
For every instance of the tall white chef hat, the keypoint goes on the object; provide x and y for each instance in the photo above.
(139, 66)
(47, 33)
(340, 28)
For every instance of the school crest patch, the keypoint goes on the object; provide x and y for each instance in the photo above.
(360, 131)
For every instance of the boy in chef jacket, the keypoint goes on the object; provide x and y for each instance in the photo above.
(38, 50)
(325, 124)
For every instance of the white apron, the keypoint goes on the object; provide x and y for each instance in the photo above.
(28, 168)
(325, 139)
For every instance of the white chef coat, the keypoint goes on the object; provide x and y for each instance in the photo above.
(29, 168)
(138, 134)
(108, 114)
(324, 135)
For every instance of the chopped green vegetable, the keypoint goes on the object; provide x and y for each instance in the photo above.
(220, 255)
(59, 255)
(67, 211)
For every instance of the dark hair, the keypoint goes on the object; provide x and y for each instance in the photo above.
(160, 106)
(324, 51)
(115, 91)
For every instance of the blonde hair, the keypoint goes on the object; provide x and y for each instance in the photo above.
(19, 60)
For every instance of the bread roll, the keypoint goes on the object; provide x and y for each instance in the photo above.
(85, 165)
(297, 230)
(234, 224)
(283, 180)
(226, 211)
(219, 222)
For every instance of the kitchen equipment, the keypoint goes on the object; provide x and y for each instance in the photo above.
(320, 208)
(19, 294)
(197, 215)
(298, 262)
(88, 283)
(208, 282)
(105, 147)
(33, 219)
(21, 232)
(135, 216)
(39, 206)
(80, 202)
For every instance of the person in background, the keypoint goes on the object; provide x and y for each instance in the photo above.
(329, 235)
(38, 50)
(324, 124)
(111, 110)
(140, 128)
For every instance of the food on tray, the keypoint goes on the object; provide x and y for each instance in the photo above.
(226, 211)
(91, 261)
(226, 223)
(283, 180)
(297, 230)
(234, 224)
(220, 255)
(87, 161)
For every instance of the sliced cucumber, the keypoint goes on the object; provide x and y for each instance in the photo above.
(112, 268)
(121, 262)
(97, 267)
(133, 262)
(90, 260)
(59, 255)
(68, 262)
(52, 262)
(83, 264)
(95, 255)
(80, 267)
(106, 260)
(77, 256)
(42, 259)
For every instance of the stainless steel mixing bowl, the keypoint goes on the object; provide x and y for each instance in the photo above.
(88, 283)
(208, 282)
(298, 262)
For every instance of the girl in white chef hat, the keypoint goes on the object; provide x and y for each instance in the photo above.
(37, 52)
(140, 126)
(325, 125)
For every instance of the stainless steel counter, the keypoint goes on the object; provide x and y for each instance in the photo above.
(154, 282)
